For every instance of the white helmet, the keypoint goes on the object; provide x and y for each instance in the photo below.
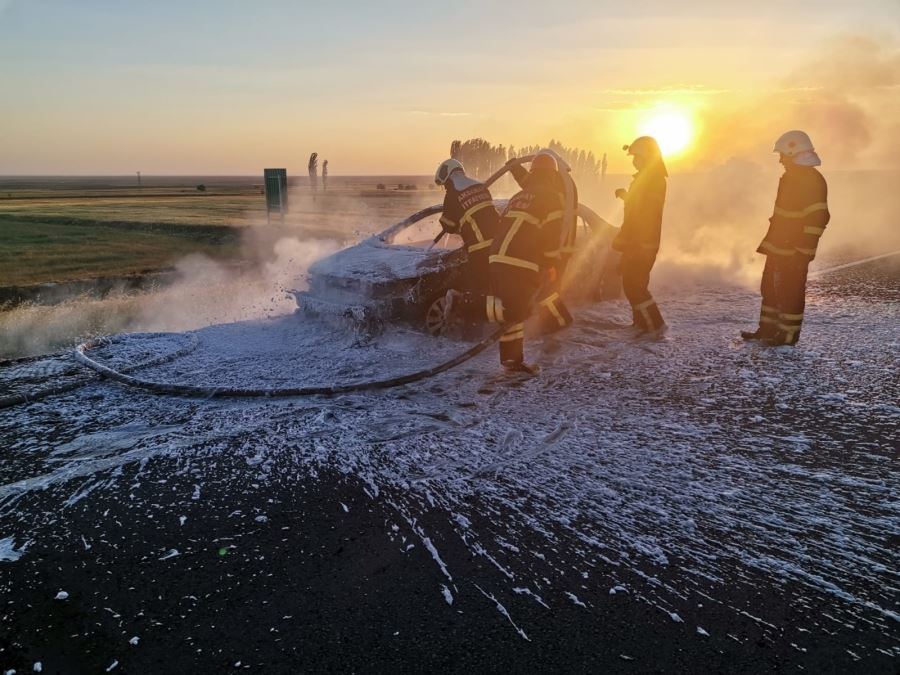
(447, 167)
(792, 143)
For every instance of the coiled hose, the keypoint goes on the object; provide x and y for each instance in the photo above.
(30, 397)
(193, 391)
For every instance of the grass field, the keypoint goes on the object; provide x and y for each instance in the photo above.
(217, 210)
(38, 250)
(71, 230)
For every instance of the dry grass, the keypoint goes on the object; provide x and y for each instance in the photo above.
(67, 234)
(40, 250)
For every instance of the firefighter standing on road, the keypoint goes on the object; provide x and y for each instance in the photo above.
(638, 240)
(469, 212)
(522, 253)
(799, 219)
(553, 314)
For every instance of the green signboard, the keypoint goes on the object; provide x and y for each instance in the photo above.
(276, 190)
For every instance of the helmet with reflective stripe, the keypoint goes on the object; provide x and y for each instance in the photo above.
(644, 146)
(793, 143)
(447, 167)
(544, 161)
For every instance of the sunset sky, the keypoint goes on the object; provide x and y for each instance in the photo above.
(227, 87)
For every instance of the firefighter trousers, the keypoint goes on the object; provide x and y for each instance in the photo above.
(635, 267)
(553, 315)
(783, 290)
(512, 293)
(478, 279)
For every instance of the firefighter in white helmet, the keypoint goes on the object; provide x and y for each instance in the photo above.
(468, 212)
(798, 220)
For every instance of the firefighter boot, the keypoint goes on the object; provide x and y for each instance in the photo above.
(638, 325)
(768, 325)
(521, 367)
(512, 348)
(788, 333)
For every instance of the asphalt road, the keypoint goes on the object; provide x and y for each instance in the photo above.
(694, 526)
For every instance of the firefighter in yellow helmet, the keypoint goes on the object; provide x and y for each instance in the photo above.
(638, 240)
(798, 220)
(529, 234)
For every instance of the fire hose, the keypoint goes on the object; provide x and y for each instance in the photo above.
(122, 377)
(30, 397)
(193, 391)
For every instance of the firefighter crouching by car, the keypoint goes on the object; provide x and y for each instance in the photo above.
(799, 219)
(553, 315)
(469, 212)
(638, 240)
(529, 232)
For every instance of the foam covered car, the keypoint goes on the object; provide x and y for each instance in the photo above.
(401, 275)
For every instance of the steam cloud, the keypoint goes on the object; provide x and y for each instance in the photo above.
(846, 98)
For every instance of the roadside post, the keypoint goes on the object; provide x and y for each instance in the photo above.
(276, 192)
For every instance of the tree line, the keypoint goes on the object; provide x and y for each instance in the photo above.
(481, 158)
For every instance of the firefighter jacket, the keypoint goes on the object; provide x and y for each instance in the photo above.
(800, 215)
(642, 224)
(469, 212)
(565, 248)
(530, 229)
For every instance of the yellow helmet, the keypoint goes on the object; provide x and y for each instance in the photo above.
(645, 146)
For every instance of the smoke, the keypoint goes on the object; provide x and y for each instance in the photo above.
(208, 292)
(273, 261)
(204, 292)
(847, 98)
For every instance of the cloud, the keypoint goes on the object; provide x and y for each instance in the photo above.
(439, 114)
(674, 90)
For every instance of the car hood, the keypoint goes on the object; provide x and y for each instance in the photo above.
(372, 261)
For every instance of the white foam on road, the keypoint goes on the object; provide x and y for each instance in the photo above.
(680, 470)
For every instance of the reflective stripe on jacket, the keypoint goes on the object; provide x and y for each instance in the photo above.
(800, 214)
(471, 214)
(530, 229)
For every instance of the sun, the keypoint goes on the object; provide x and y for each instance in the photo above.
(672, 129)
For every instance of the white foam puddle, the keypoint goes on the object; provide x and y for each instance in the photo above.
(677, 473)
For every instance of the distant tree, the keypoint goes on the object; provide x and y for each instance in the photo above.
(313, 171)
(201, 187)
(325, 175)
(585, 167)
(479, 157)
(603, 168)
(381, 186)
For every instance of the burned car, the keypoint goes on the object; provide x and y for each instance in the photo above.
(403, 273)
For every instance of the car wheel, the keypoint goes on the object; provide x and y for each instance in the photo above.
(434, 316)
